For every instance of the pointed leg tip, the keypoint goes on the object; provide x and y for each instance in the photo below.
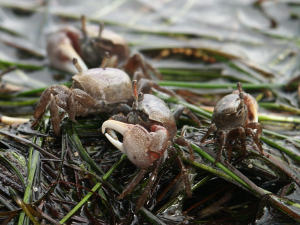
(136, 210)
(34, 124)
(120, 197)
(262, 152)
(74, 121)
(57, 133)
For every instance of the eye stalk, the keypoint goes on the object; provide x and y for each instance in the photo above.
(241, 95)
(135, 95)
(83, 28)
(101, 28)
(105, 60)
(138, 98)
(76, 64)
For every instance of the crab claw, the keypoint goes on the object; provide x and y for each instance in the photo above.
(141, 147)
(122, 128)
(60, 50)
(252, 107)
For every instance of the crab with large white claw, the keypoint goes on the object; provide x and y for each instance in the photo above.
(144, 149)
(149, 130)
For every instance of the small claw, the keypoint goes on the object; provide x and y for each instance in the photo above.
(252, 107)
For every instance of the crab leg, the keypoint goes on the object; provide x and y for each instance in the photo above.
(61, 52)
(137, 61)
(212, 128)
(147, 189)
(78, 95)
(55, 119)
(132, 184)
(184, 172)
(254, 125)
(180, 109)
(46, 98)
(183, 142)
(223, 136)
(255, 138)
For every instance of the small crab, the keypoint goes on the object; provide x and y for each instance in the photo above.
(147, 132)
(95, 41)
(88, 45)
(93, 91)
(235, 117)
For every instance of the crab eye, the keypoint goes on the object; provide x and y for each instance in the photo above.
(239, 112)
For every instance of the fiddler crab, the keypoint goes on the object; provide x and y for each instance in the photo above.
(235, 117)
(93, 91)
(148, 131)
(89, 45)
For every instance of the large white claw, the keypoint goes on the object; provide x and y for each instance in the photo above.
(61, 52)
(117, 144)
(116, 125)
(69, 53)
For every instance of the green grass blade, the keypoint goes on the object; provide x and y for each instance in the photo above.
(280, 135)
(231, 86)
(95, 188)
(28, 191)
(285, 150)
(74, 139)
